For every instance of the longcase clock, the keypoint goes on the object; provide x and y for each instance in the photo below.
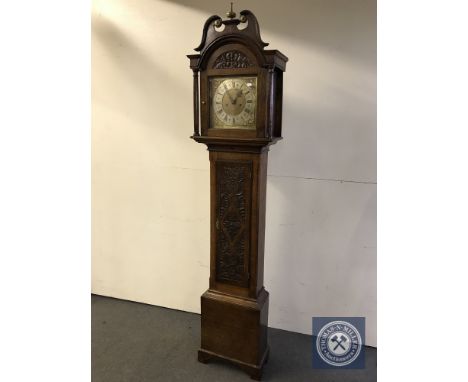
(237, 94)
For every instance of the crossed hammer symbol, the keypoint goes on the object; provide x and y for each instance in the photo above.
(339, 343)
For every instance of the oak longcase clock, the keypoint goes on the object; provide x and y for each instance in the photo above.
(237, 93)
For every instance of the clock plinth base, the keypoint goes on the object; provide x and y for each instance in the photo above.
(234, 329)
(254, 371)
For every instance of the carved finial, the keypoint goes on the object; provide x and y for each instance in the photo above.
(211, 32)
(231, 14)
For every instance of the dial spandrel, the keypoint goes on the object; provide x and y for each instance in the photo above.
(233, 102)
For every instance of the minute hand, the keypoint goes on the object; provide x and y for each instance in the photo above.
(239, 92)
(228, 93)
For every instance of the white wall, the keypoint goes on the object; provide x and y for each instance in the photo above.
(150, 184)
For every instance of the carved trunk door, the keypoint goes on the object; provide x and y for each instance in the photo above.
(233, 209)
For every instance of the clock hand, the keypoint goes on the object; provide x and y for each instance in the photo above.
(233, 100)
(228, 93)
(239, 92)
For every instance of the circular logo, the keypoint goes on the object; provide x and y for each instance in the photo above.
(339, 343)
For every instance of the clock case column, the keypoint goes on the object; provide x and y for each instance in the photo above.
(234, 310)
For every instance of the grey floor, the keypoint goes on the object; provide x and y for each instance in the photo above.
(134, 342)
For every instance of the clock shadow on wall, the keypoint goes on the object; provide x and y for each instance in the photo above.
(329, 108)
(336, 131)
(330, 127)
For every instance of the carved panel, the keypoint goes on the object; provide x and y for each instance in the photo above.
(233, 59)
(233, 193)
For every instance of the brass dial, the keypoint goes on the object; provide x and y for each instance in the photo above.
(234, 102)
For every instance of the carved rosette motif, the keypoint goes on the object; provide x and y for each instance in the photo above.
(232, 59)
(232, 221)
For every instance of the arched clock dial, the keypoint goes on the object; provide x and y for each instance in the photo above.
(234, 102)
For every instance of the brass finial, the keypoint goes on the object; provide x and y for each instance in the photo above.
(231, 14)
